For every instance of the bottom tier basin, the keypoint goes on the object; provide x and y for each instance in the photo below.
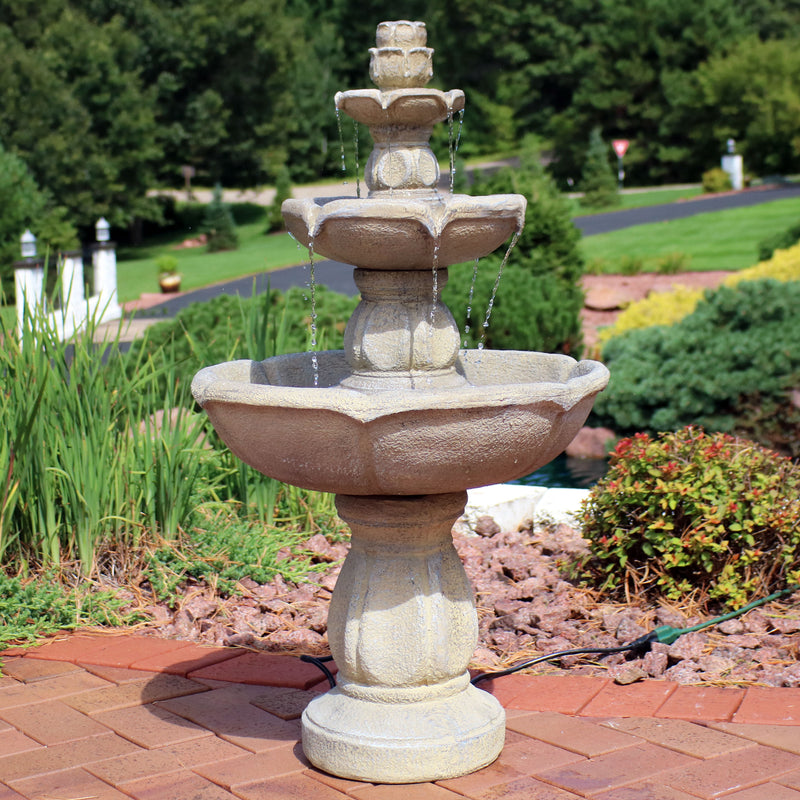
(290, 418)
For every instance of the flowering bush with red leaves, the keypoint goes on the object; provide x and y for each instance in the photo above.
(691, 513)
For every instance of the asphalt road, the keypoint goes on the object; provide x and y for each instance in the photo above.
(339, 277)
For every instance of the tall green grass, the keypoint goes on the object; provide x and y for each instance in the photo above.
(102, 453)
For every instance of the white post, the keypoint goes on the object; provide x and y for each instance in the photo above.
(28, 281)
(104, 261)
(732, 164)
(73, 313)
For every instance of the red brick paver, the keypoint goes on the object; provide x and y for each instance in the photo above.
(165, 720)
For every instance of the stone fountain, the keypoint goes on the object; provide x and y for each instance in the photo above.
(399, 425)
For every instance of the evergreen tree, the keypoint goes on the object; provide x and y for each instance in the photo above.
(598, 182)
(283, 191)
(219, 225)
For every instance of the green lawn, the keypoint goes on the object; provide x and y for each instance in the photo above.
(654, 197)
(256, 253)
(718, 240)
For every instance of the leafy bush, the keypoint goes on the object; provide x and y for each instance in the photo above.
(738, 341)
(778, 241)
(691, 514)
(539, 300)
(672, 263)
(716, 180)
(283, 191)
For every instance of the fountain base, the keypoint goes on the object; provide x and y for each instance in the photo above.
(407, 742)
(402, 627)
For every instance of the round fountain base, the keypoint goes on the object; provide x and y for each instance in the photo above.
(409, 741)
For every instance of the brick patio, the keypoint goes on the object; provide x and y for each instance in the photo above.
(120, 716)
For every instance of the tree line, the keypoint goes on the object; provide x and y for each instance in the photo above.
(101, 100)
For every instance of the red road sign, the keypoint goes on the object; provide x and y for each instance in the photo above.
(620, 146)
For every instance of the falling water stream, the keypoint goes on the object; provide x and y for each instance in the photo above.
(496, 286)
(453, 142)
(312, 286)
(468, 323)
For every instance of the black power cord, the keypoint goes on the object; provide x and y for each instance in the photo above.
(663, 633)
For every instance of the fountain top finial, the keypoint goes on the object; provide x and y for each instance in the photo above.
(401, 60)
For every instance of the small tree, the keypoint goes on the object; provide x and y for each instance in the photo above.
(598, 182)
(219, 224)
(283, 191)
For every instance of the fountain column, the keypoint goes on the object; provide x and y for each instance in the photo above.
(402, 628)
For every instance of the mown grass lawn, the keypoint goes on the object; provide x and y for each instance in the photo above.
(718, 240)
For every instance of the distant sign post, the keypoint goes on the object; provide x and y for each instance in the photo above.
(620, 148)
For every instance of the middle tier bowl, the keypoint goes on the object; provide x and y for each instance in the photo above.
(397, 232)
(515, 413)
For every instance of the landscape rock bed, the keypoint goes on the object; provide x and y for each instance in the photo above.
(527, 606)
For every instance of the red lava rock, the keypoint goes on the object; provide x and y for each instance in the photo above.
(486, 526)
(655, 664)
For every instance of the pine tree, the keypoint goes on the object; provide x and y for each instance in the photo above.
(219, 225)
(598, 182)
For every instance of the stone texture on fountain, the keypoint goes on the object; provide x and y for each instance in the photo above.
(399, 424)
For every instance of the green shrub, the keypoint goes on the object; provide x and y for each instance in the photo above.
(688, 514)
(283, 191)
(778, 241)
(598, 181)
(738, 341)
(716, 180)
(539, 300)
(673, 263)
(218, 224)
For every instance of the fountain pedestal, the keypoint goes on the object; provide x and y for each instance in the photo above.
(402, 627)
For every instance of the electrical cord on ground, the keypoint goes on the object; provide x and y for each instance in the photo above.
(664, 634)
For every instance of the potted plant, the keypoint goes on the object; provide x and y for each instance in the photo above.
(169, 279)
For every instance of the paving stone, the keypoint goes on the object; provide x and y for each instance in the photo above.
(124, 651)
(72, 648)
(732, 771)
(30, 670)
(765, 791)
(70, 783)
(573, 734)
(186, 659)
(63, 756)
(791, 779)
(9, 794)
(158, 687)
(562, 694)
(525, 788)
(135, 766)
(176, 786)
(294, 787)
(647, 790)
(206, 750)
(12, 741)
(635, 700)
(235, 773)
(408, 791)
(703, 703)
(264, 669)
(615, 769)
(781, 737)
(63, 687)
(770, 706)
(340, 784)
(118, 674)
(150, 726)
(685, 737)
(228, 714)
(52, 722)
(283, 703)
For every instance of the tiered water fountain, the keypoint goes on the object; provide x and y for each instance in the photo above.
(399, 425)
